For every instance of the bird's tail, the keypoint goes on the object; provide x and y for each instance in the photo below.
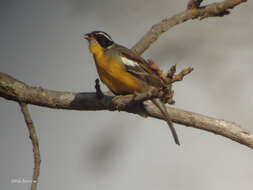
(165, 113)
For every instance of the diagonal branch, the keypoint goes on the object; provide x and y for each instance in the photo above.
(192, 12)
(12, 89)
(35, 143)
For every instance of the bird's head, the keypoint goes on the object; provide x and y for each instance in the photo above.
(99, 37)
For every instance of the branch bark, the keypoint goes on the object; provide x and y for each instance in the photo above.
(35, 143)
(15, 90)
(193, 11)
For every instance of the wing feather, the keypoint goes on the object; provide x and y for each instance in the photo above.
(139, 67)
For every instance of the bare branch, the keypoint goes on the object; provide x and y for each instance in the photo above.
(212, 10)
(217, 126)
(182, 74)
(35, 143)
(13, 89)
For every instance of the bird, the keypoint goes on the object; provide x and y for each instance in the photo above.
(125, 72)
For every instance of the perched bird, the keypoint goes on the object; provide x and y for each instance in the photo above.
(125, 72)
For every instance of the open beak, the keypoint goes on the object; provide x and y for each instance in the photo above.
(88, 36)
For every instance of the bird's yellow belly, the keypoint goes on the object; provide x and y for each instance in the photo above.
(115, 77)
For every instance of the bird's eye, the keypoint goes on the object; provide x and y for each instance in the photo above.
(104, 41)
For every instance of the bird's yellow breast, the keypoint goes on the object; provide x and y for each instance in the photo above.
(113, 73)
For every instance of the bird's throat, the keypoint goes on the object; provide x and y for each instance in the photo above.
(96, 50)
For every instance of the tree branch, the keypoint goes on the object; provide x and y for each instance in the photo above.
(193, 11)
(12, 89)
(35, 143)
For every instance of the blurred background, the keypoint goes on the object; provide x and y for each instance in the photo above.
(41, 44)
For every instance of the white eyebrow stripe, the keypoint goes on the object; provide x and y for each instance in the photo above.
(129, 62)
(104, 34)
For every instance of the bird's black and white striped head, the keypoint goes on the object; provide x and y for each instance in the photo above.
(101, 37)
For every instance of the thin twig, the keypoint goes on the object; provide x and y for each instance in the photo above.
(99, 92)
(35, 143)
(181, 75)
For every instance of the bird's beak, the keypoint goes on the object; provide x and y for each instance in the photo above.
(88, 36)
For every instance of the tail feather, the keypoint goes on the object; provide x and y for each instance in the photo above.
(165, 113)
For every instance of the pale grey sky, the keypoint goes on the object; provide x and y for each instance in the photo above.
(41, 44)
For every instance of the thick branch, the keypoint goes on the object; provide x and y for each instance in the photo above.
(13, 89)
(192, 12)
(217, 126)
(35, 143)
